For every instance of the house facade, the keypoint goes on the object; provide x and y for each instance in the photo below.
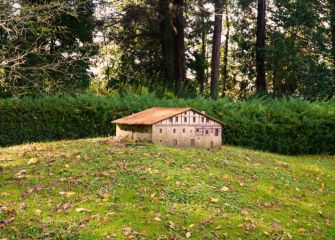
(174, 127)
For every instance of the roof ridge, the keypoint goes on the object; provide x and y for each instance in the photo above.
(154, 115)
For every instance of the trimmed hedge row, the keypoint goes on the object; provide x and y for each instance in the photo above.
(287, 126)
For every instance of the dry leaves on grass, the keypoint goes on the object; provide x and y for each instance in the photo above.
(32, 161)
(248, 226)
(67, 194)
(215, 200)
(80, 210)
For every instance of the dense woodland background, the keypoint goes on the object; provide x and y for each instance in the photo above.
(183, 48)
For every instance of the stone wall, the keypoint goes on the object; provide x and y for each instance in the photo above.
(137, 133)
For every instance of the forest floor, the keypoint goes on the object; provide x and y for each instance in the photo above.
(98, 189)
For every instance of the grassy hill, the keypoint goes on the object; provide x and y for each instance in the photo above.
(98, 189)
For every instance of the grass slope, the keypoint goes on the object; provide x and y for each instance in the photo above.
(97, 189)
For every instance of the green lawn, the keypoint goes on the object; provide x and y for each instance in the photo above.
(97, 189)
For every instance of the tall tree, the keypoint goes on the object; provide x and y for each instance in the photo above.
(179, 44)
(260, 48)
(167, 42)
(48, 46)
(216, 51)
(225, 57)
(200, 23)
(331, 4)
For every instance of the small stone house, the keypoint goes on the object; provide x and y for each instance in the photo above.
(174, 127)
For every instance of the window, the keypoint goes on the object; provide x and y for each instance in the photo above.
(197, 130)
(160, 130)
(176, 119)
(175, 143)
(170, 120)
(146, 130)
(206, 131)
(193, 119)
(207, 120)
(174, 130)
(216, 132)
(183, 130)
(161, 141)
(185, 119)
(203, 119)
(192, 142)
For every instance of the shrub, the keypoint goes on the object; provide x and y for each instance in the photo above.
(287, 126)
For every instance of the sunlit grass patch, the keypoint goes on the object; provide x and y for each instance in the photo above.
(98, 189)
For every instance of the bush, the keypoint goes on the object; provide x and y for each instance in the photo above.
(287, 126)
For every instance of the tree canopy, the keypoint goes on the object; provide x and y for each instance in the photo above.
(216, 48)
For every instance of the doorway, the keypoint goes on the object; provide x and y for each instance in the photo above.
(192, 142)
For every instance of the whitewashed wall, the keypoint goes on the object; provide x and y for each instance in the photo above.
(179, 131)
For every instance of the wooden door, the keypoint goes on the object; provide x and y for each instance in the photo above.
(192, 142)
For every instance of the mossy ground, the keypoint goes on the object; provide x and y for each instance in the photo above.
(98, 189)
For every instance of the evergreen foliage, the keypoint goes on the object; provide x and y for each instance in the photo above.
(288, 125)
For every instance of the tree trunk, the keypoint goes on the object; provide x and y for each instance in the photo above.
(166, 29)
(332, 29)
(215, 65)
(225, 57)
(260, 45)
(179, 44)
(203, 76)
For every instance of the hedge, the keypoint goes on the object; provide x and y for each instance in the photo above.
(287, 126)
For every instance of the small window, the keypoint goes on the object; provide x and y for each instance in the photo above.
(160, 130)
(207, 120)
(174, 130)
(197, 130)
(206, 131)
(170, 120)
(193, 119)
(203, 119)
(216, 132)
(185, 119)
(146, 130)
(176, 119)
(175, 143)
(161, 141)
(183, 130)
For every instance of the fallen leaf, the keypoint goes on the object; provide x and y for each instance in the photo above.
(188, 234)
(277, 227)
(301, 230)
(21, 173)
(68, 194)
(79, 210)
(225, 189)
(38, 212)
(171, 224)
(32, 161)
(157, 219)
(23, 207)
(215, 200)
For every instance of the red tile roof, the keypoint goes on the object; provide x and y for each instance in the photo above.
(155, 115)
